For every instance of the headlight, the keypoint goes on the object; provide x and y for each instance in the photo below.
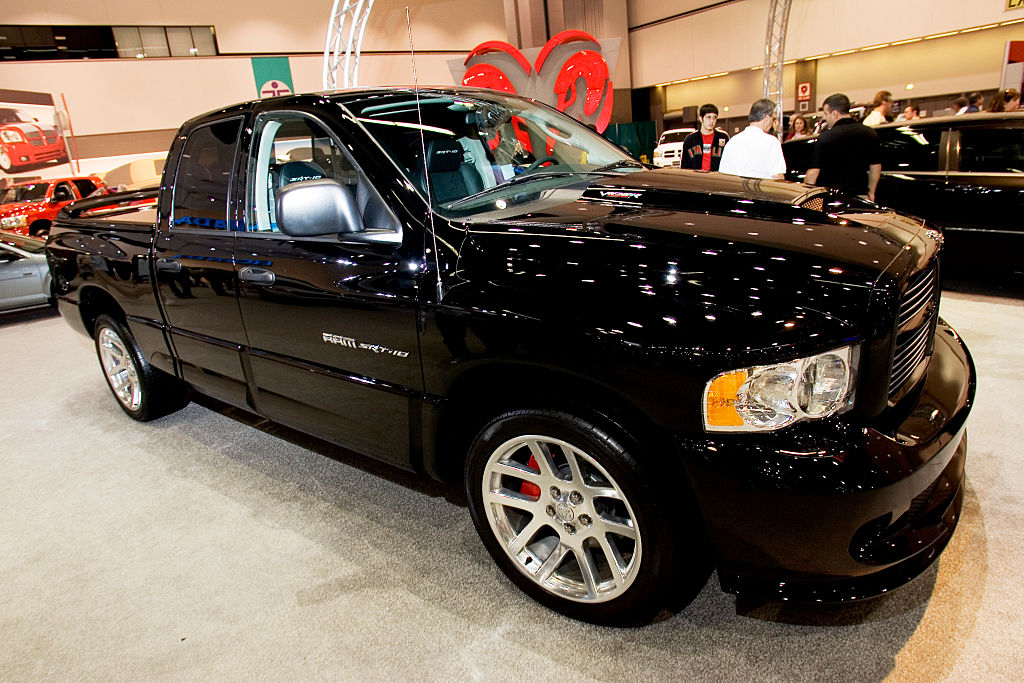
(13, 222)
(768, 397)
(11, 136)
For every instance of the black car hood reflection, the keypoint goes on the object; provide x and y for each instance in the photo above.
(680, 256)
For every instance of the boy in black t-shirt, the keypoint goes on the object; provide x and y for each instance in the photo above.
(702, 150)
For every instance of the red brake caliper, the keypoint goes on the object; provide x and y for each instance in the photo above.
(529, 488)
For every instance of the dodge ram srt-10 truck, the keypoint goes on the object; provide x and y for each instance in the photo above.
(637, 374)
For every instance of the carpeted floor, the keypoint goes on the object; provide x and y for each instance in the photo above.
(203, 547)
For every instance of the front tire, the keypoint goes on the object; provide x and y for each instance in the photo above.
(571, 517)
(6, 164)
(142, 391)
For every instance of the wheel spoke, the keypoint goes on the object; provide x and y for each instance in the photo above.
(589, 570)
(620, 528)
(514, 469)
(614, 558)
(551, 563)
(526, 535)
(514, 500)
(604, 492)
(574, 466)
(543, 457)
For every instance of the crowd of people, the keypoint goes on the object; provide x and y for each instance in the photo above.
(847, 155)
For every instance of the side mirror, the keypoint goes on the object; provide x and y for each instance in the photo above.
(311, 208)
(7, 257)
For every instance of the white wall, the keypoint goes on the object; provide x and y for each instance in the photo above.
(285, 26)
(114, 96)
(122, 95)
(732, 37)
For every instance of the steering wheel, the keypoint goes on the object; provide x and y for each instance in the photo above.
(543, 160)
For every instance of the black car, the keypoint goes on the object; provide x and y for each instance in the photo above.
(963, 174)
(635, 374)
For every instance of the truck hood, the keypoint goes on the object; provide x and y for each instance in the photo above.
(666, 257)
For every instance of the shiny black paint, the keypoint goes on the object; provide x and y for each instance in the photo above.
(624, 298)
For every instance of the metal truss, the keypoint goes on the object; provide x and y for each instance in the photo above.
(774, 47)
(347, 42)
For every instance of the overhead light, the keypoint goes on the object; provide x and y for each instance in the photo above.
(943, 35)
(807, 59)
(720, 73)
(904, 42)
(874, 47)
(698, 78)
(789, 61)
(1007, 23)
(756, 68)
(844, 52)
(725, 108)
(909, 86)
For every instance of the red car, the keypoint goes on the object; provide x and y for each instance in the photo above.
(29, 208)
(25, 141)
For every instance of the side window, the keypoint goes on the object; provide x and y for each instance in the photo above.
(63, 193)
(85, 187)
(906, 149)
(204, 176)
(992, 150)
(291, 147)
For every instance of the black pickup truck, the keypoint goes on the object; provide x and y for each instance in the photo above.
(638, 375)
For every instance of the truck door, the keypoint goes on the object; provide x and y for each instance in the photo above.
(331, 322)
(193, 268)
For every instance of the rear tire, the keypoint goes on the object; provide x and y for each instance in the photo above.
(143, 392)
(572, 518)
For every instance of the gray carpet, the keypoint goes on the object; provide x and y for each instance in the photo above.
(202, 546)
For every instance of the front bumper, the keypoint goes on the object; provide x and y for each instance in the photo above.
(22, 153)
(840, 511)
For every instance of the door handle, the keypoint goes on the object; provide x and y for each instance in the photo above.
(257, 276)
(169, 265)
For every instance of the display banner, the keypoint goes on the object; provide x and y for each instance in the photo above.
(31, 136)
(572, 73)
(273, 76)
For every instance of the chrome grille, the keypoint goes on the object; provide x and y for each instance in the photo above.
(914, 327)
(815, 204)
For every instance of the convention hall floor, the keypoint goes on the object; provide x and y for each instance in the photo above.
(198, 547)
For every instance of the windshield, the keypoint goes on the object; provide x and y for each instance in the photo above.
(36, 192)
(14, 116)
(675, 136)
(486, 151)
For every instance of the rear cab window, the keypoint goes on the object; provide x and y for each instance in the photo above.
(203, 177)
(909, 149)
(992, 150)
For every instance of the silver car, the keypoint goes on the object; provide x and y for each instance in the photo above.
(24, 275)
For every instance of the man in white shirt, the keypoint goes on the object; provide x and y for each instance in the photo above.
(882, 109)
(755, 152)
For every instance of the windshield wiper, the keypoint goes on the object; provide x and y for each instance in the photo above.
(622, 163)
(517, 180)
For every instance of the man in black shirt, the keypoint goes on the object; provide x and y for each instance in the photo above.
(703, 149)
(846, 156)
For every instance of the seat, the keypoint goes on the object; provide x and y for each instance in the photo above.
(295, 171)
(450, 178)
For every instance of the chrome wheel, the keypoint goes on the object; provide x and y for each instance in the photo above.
(561, 518)
(119, 368)
(5, 161)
